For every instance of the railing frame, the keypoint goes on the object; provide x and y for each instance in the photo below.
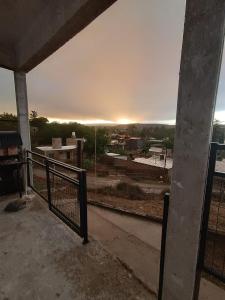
(214, 147)
(163, 243)
(80, 183)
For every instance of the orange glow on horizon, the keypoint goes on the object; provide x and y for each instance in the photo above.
(122, 121)
(125, 121)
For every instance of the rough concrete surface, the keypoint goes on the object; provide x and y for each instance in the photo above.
(136, 244)
(141, 258)
(41, 258)
(145, 230)
(202, 50)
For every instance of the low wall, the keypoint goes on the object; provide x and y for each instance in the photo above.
(133, 168)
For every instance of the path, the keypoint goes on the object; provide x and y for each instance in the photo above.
(136, 243)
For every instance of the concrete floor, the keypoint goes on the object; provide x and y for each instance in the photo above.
(41, 258)
(136, 243)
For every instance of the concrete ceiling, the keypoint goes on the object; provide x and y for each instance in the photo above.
(31, 30)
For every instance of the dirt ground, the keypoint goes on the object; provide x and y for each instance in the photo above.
(150, 208)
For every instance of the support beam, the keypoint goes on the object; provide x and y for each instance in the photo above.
(22, 108)
(199, 73)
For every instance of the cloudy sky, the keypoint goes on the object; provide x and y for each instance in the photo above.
(123, 66)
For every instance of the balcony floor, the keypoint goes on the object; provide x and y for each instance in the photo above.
(41, 258)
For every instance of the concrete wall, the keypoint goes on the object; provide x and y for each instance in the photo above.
(133, 168)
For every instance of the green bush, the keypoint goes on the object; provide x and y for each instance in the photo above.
(88, 164)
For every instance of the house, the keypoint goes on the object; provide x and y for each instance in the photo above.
(134, 144)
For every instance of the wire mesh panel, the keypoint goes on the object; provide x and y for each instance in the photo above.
(215, 244)
(128, 181)
(65, 198)
(37, 168)
(212, 246)
(63, 186)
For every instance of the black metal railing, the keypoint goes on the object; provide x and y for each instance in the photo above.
(63, 187)
(212, 244)
(36, 174)
(163, 243)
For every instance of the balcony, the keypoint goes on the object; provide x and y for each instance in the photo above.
(41, 258)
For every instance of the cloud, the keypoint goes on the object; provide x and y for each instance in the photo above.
(124, 65)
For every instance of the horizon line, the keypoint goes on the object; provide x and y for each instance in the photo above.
(109, 122)
(219, 115)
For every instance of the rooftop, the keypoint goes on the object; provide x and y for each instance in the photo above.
(50, 148)
(155, 161)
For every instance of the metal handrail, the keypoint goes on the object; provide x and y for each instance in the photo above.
(58, 163)
(36, 161)
(63, 176)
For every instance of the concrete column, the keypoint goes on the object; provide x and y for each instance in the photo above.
(23, 118)
(22, 108)
(199, 73)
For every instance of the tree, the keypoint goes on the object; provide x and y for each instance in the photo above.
(39, 122)
(146, 147)
(168, 142)
(218, 132)
(101, 141)
(8, 121)
(8, 117)
(33, 115)
(132, 130)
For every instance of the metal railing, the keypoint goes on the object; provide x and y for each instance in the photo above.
(163, 243)
(63, 187)
(212, 244)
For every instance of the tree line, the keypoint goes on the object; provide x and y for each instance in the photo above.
(42, 132)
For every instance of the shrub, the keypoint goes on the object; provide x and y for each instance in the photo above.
(88, 164)
(124, 190)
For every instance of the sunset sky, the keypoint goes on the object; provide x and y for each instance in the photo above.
(123, 67)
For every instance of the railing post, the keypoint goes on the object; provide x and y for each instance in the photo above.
(163, 243)
(205, 217)
(28, 168)
(48, 184)
(83, 205)
(80, 145)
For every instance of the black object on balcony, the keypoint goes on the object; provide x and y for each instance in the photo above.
(10, 162)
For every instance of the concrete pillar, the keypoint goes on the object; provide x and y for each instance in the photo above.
(23, 118)
(199, 73)
(22, 108)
